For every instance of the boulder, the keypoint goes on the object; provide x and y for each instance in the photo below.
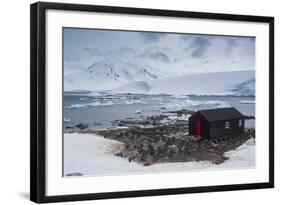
(82, 126)
(74, 174)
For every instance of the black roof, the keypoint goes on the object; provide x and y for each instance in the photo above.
(220, 114)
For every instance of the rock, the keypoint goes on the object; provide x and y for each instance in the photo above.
(149, 159)
(169, 142)
(146, 164)
(173, 148)
(138, 111)
(218, 161)
(213, 144)
(74, 174)
(181, 112)
(69, 127)
(82, 125)
(119, 154)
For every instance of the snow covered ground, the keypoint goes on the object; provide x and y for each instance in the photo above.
(90, 154)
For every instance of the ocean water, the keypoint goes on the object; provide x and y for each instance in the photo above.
(99, 110)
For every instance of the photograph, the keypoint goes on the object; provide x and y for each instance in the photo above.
(134, 102)
(145, 102)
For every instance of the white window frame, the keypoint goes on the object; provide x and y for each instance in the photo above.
(226, 125)
(240, 123)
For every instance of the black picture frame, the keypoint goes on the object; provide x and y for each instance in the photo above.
(38, 101)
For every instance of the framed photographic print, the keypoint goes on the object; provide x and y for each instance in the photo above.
(129, 102)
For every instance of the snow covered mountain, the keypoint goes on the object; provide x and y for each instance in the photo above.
(129, 75)
(110, 73)
(220, 83)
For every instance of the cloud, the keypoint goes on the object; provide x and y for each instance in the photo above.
(175, 53)
(87, 49)
(92, 51)
(150, 37)
(199, 46)
(176, 60)
(71, 58)
(123, 51)
(231, 44)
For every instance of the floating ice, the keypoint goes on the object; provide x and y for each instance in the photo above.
(131, 102)
(183, 117)
(84, 98)
(181, 96)
(95, 104)
(247, 101)
(195, 103)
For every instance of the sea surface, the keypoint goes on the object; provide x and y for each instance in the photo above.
(100, 110)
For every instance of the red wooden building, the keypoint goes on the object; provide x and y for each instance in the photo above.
(217, 122)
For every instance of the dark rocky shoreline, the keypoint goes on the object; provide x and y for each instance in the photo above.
(165, 138)
(171, 143)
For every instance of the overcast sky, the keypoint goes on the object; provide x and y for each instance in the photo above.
(174, 53)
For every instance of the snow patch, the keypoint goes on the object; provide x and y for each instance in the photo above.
(90, 154)
(174, 118)
(243, 156)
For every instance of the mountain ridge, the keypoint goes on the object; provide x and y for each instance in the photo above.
(111, 73)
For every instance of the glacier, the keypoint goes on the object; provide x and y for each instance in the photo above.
(240, 83)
